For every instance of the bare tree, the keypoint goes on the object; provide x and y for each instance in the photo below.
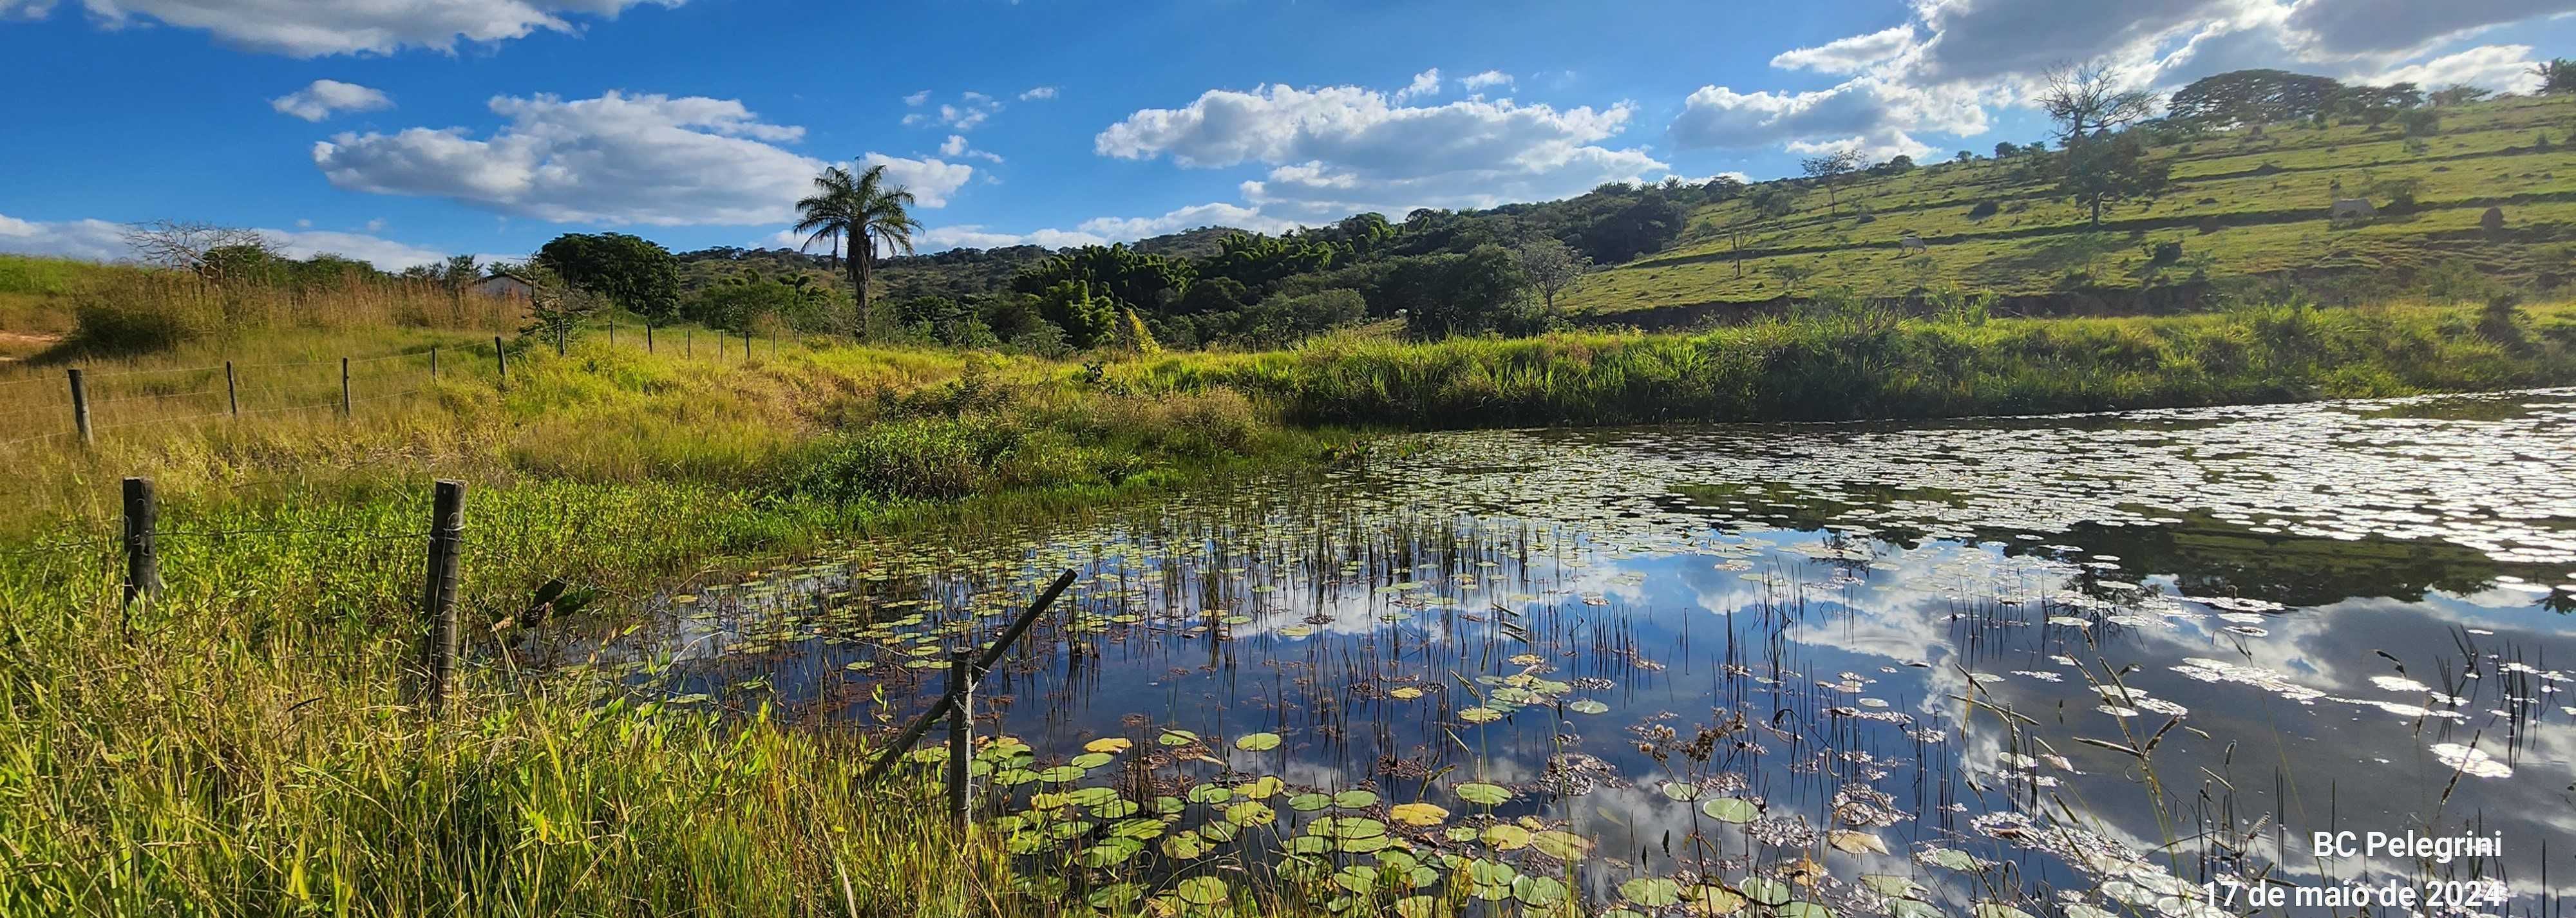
(185, 245)
(1551, 267)
(2087, 99)
(1830, 169)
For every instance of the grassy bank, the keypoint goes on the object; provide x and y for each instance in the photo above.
(1863, 363)
(241, 747)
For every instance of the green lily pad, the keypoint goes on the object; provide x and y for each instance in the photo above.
(1731, 809)
(1257, 742)
(1487, 794)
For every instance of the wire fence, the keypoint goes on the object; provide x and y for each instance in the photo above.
(49, 410)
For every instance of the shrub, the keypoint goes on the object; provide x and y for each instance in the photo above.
(1983, 210)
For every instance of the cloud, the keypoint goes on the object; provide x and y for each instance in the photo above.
(2354, 28)
(614, 159)
(1486, 79)
(1338, 149)
(971, 109)
(1036, 93)
(975, 236)
(955, 145)
(1426, 83)
(1876, 111)
(1984, 39)
(1193, 217)
(326, 97)
(1848, 55)
(101, 240)
(304, 28)
(2504, 68)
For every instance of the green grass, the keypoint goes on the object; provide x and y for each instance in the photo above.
(2483, 156)
(1865, 363)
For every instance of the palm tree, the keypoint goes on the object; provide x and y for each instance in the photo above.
(863, 210)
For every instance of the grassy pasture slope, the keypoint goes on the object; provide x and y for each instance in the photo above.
(2240, 206)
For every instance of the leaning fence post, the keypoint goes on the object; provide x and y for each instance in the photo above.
(232, 396)
(961, 733)
(500, 362)
(344, 387)
(142, 555)
(80, 407)
(438, 595)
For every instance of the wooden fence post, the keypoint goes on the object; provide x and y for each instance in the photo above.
(500, 362)
(344, 387)
(961, 734)
(142, 555)
(232, 396)
(80, 407)
(688, 343)
(612, 334)
(433, 361)
(648, 337)
(438, 595)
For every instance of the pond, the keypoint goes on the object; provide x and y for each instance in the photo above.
(2096, 664)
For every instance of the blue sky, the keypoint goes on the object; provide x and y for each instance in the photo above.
(397, 130)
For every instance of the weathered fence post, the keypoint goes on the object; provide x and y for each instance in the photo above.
(142, 556)
(344, 387)
(500, 362)
(648, 337)
(961, 734)
(612, 334)
(438, 595)
(80, 407)
(433, 361)
(232, 396)
(912, 732)
(688, 343)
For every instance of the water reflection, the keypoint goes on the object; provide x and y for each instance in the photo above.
(2051, 664)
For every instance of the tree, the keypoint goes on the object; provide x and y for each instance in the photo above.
(2253, 97)
(2459, 94)
(2087, 100)
(862, 211)
(2004, 149)
(1772, 199)
(188, 245)
(555, 306)
(1789, 273)
(1550, 267)
(637, 275)
(1828, 170)
(2556, 75)
(2109, 170)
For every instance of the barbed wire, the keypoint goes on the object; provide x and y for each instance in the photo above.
(113, 374)
(147, 398)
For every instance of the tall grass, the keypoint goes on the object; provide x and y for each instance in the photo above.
(1840, 367)
(240, 746)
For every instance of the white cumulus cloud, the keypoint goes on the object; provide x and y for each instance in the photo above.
(615, 159)
(1426, 83)
(1848, 55)
(2503, 68)
(1036, 93)
(323, 98)
(316, 28)
(1489, 78)
(1338, 149)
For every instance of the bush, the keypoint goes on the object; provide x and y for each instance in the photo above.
(1983, 210)
(116, 326)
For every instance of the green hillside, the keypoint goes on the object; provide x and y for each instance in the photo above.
(2241, 203)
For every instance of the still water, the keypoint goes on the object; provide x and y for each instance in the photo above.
(2082, 665)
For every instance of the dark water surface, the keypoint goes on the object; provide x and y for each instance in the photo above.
(2056, 665)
